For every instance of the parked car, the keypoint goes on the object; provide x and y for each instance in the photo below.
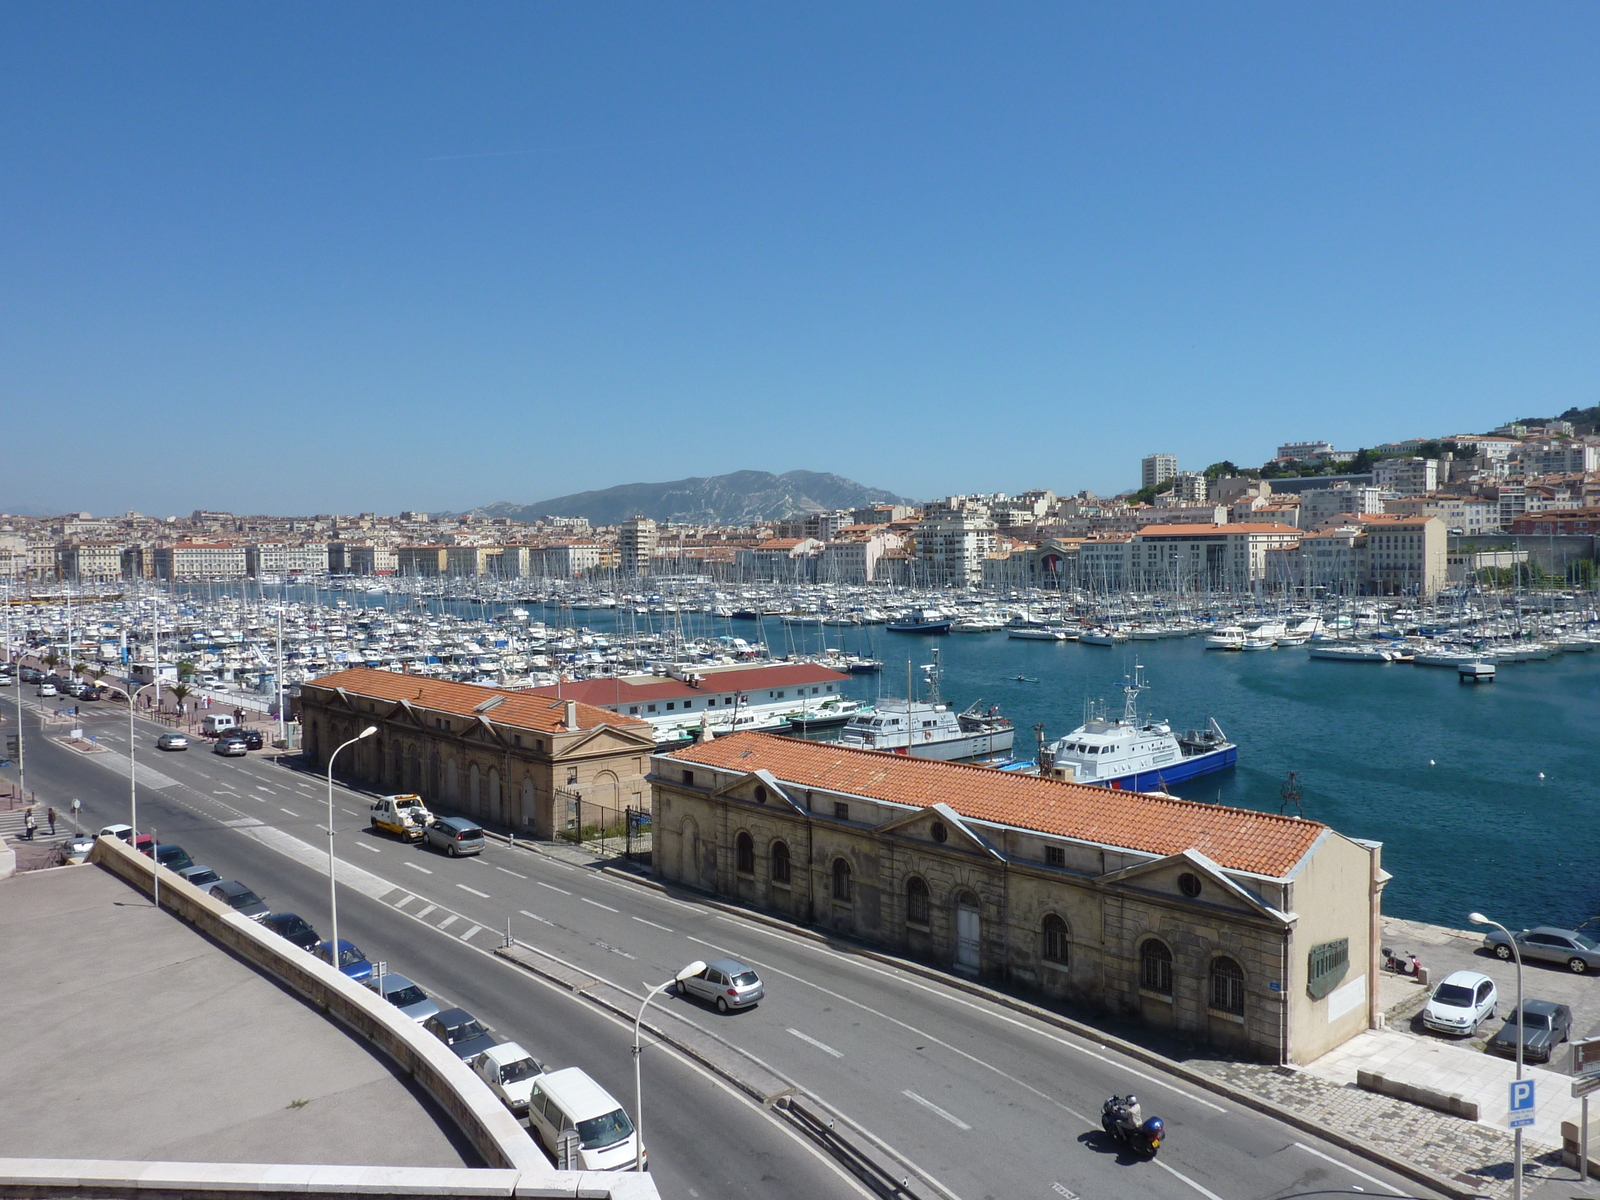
(75, 689)
(352, 961)
(125, 832)
(47, 689)
(90, 692)
(1464, 1001)
(404, 995)
(461, 1031)
(455, 836)
(5, 681)
(1543, 1027)
(569, 1099)
(1578, 952)
(173, 856)
(293, 928)
(29, 675)
(77, 848)
(250, 737)
(727, 983)
(172, 741)
(230, 747)
(509, 1070)
(201, 876)
(239, 898)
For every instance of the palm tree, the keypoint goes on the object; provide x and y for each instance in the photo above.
(99, 673)
(180, 691)
(51, 659)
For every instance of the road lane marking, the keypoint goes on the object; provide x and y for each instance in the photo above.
(348, 812)
(933, 1108)
(261, 787)
(597, 904)
(474, 891)
(414, 867)
(448, 921)
(407, 900)
(509, 871)
(225, 792)
(552, 887)
(290, 811)
(470, 932)
(811, 1041)
(1345, 1166)
(431, 908)
(653, 925)
(374, 849)
(535, 917)
(1176, 1174)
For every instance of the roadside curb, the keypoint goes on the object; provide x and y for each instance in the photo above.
(1151, 1058)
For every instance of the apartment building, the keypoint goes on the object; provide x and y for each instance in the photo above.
(367, 559)
(199, 560)
(424, 561)
(1406, 555)
(571, 560)
(1156, 469)
(1103, 561)
(471, 562)
(1318, 506)
(1461, 514)
(286, 558)
(779, 559)
(1581, 521)
(1408, 476)
(1555, 458)
(853, 554)
(951, 548)
(636, 544)
(1213, 557)
(89, 562)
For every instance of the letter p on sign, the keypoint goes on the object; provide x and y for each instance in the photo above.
(1522, 1103)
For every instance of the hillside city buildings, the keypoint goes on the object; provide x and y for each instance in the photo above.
(1299, 524)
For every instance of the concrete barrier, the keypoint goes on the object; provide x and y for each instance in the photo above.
(1453, 1103)
(496, 1135)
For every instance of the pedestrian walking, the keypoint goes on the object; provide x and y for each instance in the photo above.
(29, 825)
(50, 815)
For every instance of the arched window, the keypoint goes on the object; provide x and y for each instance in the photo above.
(780, 863)
(1155, 967)
(841, 881)
(916, 901)
(1057, 943)
(1227, 986)
(744, 854)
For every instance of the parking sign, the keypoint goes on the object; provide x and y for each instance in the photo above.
(1521, 1103)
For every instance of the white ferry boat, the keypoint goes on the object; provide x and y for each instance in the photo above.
(1139, 754)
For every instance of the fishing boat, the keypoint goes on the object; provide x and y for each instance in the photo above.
(930, 728)
(920, 621)
(1135, 753)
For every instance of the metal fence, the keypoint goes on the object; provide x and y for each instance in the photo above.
(616, 832)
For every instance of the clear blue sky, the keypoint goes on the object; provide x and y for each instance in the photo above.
(312, 258)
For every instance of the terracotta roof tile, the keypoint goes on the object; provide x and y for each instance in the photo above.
(635, 690)
(521, 710)
(1239, 839)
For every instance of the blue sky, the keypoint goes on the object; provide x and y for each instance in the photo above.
(300, 258)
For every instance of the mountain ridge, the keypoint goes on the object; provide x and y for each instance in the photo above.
(737, 498)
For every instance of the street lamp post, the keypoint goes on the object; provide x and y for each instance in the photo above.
(333, 890)
(650, 994)
(1478, 918)
(133, 769)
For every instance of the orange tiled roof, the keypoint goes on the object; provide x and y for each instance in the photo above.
(523, 710)
(1239, 839)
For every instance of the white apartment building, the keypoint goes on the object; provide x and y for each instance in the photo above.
(1460, 514)
(853, 555)
(569, 560)
(1103, 562)
(471, 562)
(1157, 469)
(1406, 556)
(88, 562)
(1318, 506)
(1330, 562)
(951, 548)
(636, 545)
(1301, 451)
(1406, 476)
(371, 560)
(1555, 458)
(1189, 488)
(13, 556)
(199, 560)
(1212, 557)
(284, 558)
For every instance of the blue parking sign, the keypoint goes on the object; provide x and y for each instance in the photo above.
(1522, 1102)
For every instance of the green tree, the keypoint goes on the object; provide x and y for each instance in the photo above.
(186, 669)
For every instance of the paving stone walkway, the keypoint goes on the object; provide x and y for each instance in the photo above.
(1474, 1155)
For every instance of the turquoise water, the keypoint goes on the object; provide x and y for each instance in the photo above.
(1447, 776)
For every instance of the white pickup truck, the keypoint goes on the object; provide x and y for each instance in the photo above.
(509, 1070)
(404, 816)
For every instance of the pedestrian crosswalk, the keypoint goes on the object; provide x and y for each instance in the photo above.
(13, 823)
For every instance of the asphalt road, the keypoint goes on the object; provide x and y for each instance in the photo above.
(981, 1101)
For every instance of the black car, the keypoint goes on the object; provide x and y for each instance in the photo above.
(461, 1031)
(90, 692)
(293, 927)
(250, 737)
(173, 856)
(1544, 1026)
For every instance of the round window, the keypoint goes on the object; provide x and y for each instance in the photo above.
(761, 794)
(939, 832)
(1189, 884)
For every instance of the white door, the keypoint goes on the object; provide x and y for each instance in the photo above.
(968, 929)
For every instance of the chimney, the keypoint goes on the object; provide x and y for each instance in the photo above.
(572, 715)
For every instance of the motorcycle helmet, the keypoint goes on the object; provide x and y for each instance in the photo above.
(1132, 1101)
(1155, 1127)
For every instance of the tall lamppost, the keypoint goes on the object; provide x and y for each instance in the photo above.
(693, 968)
(333, 889)
(1478, 918)
(133, 771)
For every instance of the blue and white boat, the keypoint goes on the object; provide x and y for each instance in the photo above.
(920, 620)
(1135, 753)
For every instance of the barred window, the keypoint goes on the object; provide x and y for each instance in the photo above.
(780, 862)
(1227, 986)
(1329, 961)
(1056, 939)
(841, 881)
(916, 901)
(744, 854)
(1155, 967)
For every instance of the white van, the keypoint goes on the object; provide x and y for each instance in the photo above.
(569, 1099)
(214, 723)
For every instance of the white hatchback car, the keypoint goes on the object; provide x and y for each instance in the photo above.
(1460, 1004)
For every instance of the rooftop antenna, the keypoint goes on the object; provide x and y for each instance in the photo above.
(1291, 795)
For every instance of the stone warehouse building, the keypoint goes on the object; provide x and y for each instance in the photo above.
(1252, 931)
(501, 756)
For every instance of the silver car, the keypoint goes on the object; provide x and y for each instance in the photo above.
(172, 741)
(727, 983)
(404, 995)
(1578, 952)
(455, 836)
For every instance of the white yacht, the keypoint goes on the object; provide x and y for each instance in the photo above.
(929, 728)
(1225, 637)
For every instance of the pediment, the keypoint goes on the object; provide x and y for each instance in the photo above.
(940, 825)
(758, 787)
(1192, 877)
(606, 738)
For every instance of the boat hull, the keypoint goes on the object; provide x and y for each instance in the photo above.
(1159, 780)
(919, 626)
(977, 745)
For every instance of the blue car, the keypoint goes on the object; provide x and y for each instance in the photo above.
(352, 961)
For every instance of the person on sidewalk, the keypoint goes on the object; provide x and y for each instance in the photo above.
(50, 815)
(29, 825)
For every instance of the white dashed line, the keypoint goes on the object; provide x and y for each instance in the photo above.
(552, 887)
(426, 911)
(597, 904)
(414, 867)
(534, 917)
(508, 871)
(823, 1046)
(653, 925)
(447, 922)
(404, 902)
(474, 891)
(290, 811)
(470, 932)
(935, 1109)
(1352, 1170)
(374, 849)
